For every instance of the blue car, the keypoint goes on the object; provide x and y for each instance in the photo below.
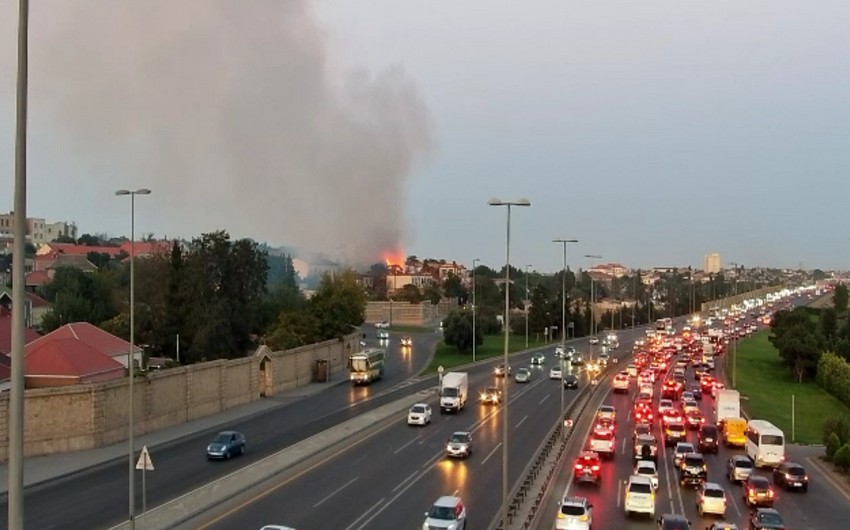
(225, 445)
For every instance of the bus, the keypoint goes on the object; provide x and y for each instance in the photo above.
(366, 366)
(765, 443)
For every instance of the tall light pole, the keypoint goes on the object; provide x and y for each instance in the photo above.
(735, 342)
(508, 204)
(131, 364)
(634, 298)
(593, 258)
(564, 243)
(474, 340)
(525, 305)
(16, 392)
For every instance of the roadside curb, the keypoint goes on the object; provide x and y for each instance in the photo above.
(836, 479)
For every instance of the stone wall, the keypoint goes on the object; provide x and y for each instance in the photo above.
(86, 416)
(407, 314)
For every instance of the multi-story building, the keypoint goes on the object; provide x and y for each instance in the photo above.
(711, 263)
(39, 231)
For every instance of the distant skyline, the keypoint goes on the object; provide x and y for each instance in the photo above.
(653, 132)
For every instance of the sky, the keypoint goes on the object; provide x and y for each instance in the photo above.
(654, 131)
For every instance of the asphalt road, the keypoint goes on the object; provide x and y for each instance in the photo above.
(391, 479)
(97, 497)
(822, 507)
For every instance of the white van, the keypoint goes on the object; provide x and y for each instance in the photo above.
(765, 443)
(640, 496)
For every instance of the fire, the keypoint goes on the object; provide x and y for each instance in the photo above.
(393, 258)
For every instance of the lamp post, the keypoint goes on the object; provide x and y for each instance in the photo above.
(563, 323)
(474, 340)
(735, 342)
(525, 305)
(131, 364)
(593, 258)
(508, 204)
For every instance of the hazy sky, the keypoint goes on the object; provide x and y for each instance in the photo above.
(653, 131)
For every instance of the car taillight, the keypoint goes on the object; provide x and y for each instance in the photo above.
(770, 493)
(595, 468)
(579, 466)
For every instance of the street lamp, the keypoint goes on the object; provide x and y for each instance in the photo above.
(735, 342)
(131, 364)
(593, 258)
(563, 323)
(525, 305)
(507, 323)
(474, 339)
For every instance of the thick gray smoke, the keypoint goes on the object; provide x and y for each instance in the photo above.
(237, 116)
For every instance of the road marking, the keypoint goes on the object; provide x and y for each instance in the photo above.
(498, 445)
(620, 488)
(825, 473)
(400, 449)
(521, 421)
(349, 483)
(400, 484)
(349, 527)
(623, 449)
(544, 398)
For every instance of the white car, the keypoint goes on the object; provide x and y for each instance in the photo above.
(406, 341)
(646, 468)
(640, 496)
(555, 372)
(606, 411)
(711, 499)
(419, 414)
(575, 514)
(447, 513)
(594, 340)
(382, 324)
(383, 335)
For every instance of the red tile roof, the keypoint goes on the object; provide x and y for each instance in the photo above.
(71, 248)
(91, 335)
(37, 278)
(71, 358)
(37, 301)
(6, 333)
(147, 248)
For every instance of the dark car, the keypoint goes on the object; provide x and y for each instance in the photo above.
(226, 444)
(791, 476)
(570, 381)
(672, 521)
(766, 518)
(693, 470)
(757, 492)
(697, 392)
(708, 437)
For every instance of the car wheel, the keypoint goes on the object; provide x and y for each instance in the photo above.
(242, 450)
(227, 455)
(804, 489)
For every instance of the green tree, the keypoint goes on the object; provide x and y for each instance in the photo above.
(432, 293)
(828, 323)
(840, 299)
(293, 329)
(91, 240)
(833, 444)
(338, 305)
(77, 296)
(841, 458)
(65, 239)
(453, 288)
(457, 331)
(99, 259)
(409, 293)
(174, 302)
(796, 338)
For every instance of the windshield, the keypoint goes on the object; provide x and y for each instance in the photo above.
(639, 487)
(745, 463)
(458, 438)
(359, 365)
(222, 439)
(711, 492)
(796, 471)
(572, 509)
(449, 392)
(771, 518)
(771, 439)
(418, 409)
(442, 512)
(646, 470)
(693, 461)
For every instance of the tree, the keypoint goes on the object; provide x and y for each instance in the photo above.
(828, 323)
(432, 293)
(796, 338)
(293, 329)
(409, 293)
(840, 299)
(174, 300)
(338, 305)
(453, 288)
(841, 458)
(78, 296)
(91, 240)
(457, 331)
(833, 444)
(65, 239)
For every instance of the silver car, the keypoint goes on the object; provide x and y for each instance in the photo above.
(447, 513)
(459, 445)
(739, 468)
(523, 375)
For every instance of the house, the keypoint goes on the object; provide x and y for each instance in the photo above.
(35, 306)
(6, 332)
(64, 360)
(97, 339)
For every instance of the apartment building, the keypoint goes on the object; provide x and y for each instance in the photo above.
(39, 231)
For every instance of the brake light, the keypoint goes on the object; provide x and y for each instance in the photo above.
(595, 468)
(770, 493)
(579, 466)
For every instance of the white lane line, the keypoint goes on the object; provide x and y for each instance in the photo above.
(623, 449)
(335, 492)
(400, 484)
(521, 421)
(620, 488)
(352, 525)
(498, 445)
(544, 398)
(402, 448)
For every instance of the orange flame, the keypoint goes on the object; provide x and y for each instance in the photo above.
(393, 258)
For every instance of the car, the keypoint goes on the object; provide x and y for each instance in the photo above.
(671, 389)
(606, 411)
(693, 470)
(491, 395)
(646, 468)
(538, 359)
(604, 424)
(665, 405)
(419, 414)
(639, 496)
(791, 476)
(696, 391)
(382, 324)
(689, 405)
(631, 369)
(672, 416)
(603, 359)
(621, 383)
(739, 468)
(603, 442)
(459, 445)
(555, 372)
(276, 527)
(687, 395)
(694, 419)
(570, 381)
(674, 432)
(645, 391)
(577, 360)
(499, 370)
(560, 352)
(575, 514)
(448, 512)
(640, 428)
(671, 521)
(523, 375)
(766, 518)
(646, 448)
(588, 467)
(383, 334)
(708, 439)
(758, 492)
(593, 340)
(722, 525)
(406, 342)
(225, 445)
(681, 449)
(711, 499)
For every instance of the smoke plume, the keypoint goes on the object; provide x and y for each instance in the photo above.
(235, 114)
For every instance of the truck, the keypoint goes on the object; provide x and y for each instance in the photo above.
(454, 390)
(728, 405)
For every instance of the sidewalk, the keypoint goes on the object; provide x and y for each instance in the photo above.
(39, 469)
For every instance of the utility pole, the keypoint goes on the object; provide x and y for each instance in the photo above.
(474, 336)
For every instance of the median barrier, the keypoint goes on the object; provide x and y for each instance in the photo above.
(221, 490)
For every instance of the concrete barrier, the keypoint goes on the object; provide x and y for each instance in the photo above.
(197, 501)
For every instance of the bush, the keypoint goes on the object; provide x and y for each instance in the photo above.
(838, 425)
(833, 444)
(842, 458)
(833, 374)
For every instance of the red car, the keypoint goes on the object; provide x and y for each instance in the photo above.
(642, 412)
(694, 419)
(672, 416)
(587, 467)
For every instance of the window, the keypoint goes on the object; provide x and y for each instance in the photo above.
(572, 509)
(640, 487)
(771, 439)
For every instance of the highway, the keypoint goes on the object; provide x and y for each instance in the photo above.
(822, 507)
(97, 497)
(391, 479)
